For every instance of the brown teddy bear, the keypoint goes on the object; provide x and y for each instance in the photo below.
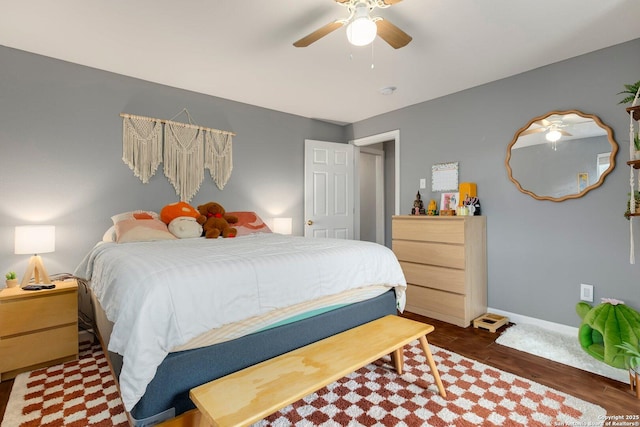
(215, 222)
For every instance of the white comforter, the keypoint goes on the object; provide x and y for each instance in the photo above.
(162, 294)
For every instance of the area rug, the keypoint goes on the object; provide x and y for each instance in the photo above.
(559, 347)
(80, 393)
(373, 396)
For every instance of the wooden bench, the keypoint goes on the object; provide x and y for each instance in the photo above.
(249, 395)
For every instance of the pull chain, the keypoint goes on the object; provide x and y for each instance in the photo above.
(372, 58)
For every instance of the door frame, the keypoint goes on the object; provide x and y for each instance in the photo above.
(393, 135)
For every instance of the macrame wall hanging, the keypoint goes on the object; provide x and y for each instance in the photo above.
(186, 149)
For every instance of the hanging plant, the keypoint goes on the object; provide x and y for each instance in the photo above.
(630, 92)
(637, 197)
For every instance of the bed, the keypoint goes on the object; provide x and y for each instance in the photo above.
(176, 313)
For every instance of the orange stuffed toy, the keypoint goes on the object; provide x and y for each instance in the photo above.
(215, 222)
(178, 209)
(181, 219)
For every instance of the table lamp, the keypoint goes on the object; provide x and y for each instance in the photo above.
(282, 225)
(35, 239)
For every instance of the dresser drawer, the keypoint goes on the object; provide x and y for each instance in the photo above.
(438, 304)
(444, 255)
(43, 310)
(430, 276)
(444, 230)
(43, 346)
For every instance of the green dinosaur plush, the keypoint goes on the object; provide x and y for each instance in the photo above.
(605, 326)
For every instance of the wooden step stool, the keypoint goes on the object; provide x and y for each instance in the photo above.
(249, 395)
(490, 321)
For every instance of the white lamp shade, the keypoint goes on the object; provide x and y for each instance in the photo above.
(282, 225)
(35, 239)
(361, 31)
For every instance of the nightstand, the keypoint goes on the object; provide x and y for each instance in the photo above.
(37, 328)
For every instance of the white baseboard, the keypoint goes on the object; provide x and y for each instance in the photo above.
(519, 318)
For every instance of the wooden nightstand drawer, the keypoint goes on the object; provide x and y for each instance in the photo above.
(40, 311)
(38, 347)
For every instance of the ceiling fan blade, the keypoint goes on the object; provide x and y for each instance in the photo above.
(530, 131)
(318, 34)
(391, 2)
(545, 122)
(392, 34)
(565, 133)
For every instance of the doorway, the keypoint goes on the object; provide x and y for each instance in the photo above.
(371, 189)
(385, 185)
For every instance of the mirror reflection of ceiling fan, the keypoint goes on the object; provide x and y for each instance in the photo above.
(552, 128)
(362, 28)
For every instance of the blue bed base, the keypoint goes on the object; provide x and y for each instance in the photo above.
(168, 393)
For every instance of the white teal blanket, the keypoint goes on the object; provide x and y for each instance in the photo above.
(159, 295)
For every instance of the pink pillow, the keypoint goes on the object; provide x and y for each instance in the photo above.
(134, 215)
(249, 223)
(142, 230)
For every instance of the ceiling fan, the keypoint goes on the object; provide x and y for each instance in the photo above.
(362, 28)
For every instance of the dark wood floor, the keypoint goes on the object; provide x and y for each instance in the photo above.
(478, 344)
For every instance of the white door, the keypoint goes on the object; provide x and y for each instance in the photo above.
(328, 189)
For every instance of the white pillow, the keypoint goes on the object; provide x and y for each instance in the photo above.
(110, 234)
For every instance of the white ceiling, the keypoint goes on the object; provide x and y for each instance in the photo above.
(242, 49)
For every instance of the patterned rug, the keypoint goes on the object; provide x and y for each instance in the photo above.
(83, 393)
(76, 394)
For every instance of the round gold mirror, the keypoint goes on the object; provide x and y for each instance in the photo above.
(561, 155)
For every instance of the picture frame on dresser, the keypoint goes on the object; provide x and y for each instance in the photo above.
(446, 199)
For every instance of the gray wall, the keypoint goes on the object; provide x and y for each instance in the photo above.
(538, 251)
(61, 151)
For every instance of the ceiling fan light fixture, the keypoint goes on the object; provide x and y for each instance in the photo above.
(362, 30)
(553, 135)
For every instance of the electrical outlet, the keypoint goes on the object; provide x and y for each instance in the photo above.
(586, 292)
(423, 183)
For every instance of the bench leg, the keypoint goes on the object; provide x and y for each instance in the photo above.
(191, 418)
(397, 357)
(432, 365)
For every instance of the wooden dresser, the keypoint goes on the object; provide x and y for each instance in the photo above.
(444, 260)
(37, 328)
